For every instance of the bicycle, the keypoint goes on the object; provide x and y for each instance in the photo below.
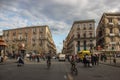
(48, 64)
(74, 70)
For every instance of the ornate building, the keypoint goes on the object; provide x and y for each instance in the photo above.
(80, 37)
(108, 32)
(34, 38)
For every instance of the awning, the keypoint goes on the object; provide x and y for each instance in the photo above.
(2, 43)
(84, 51)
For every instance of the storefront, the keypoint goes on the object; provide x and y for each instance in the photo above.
(2, 50)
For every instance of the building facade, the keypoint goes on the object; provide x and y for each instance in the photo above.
(34, 38)
(81, 37)
(108, 32)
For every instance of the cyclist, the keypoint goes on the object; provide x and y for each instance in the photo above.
(73, 65)
(49, 58)
(72, 61)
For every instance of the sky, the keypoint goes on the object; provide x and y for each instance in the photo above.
(59, 15)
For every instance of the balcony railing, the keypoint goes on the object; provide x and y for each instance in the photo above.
(118, 42)
(112, 34)
(110, 23)
(118, 23)
(112, 42)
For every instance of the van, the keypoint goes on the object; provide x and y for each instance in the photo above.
(61, 57)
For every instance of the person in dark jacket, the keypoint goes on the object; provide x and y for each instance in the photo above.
(20, 61)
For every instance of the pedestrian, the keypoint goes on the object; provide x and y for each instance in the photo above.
(0, 59)
(38, 59)
(92, 59)
(20, 61)
(84, 61)
(97, 59)
(88, 60)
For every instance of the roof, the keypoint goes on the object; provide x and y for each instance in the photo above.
(26, 27)
(112, 14)
(82, 21)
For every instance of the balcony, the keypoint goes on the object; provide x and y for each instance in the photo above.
(112, 42)
(118, 23)
(118, 42)
(112, 34)
(111, 24)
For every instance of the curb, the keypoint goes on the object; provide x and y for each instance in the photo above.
(114, 65)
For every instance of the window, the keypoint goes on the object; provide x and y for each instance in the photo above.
(90, 34)
(110, 19)
(118, 20)
(78, 35)
(20, 31)
(78, 28)
(112, 39)
(33, 44)
(26, 31)
(14, 33)
(84, 25)
(84, 34)
(84, 28)
(78, 43)
(40, 30)
(90, 40)
(110, 30)
(20, 38)
(34, 30)
(84, 43)
(90, 28)
(90, 25)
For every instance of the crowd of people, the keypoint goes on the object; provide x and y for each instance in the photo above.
(91, 60)
(88, 60)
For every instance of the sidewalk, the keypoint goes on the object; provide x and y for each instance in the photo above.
(11, 61)
(111, 63)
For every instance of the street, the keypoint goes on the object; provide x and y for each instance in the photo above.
(58, 71)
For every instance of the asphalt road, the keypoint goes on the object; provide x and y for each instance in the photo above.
(58, 71)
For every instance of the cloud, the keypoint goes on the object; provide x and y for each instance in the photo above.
(59, 15)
